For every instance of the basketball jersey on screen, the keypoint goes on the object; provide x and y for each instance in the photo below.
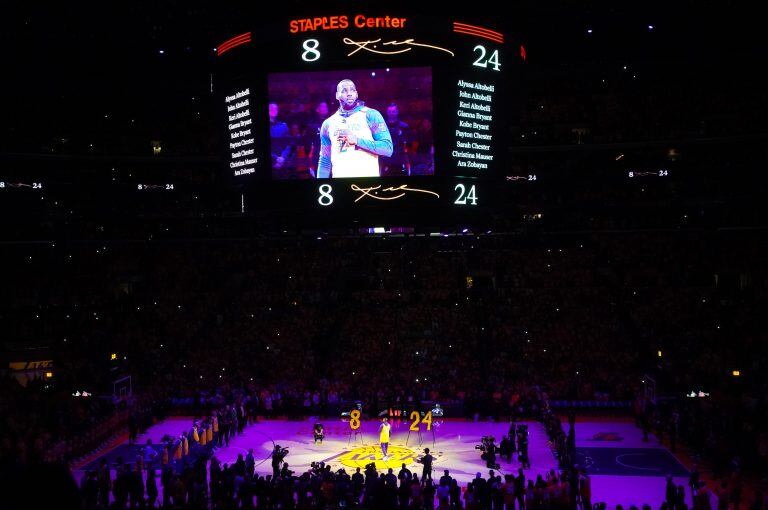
(347, 160)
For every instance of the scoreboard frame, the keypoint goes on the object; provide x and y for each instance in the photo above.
(474, 70)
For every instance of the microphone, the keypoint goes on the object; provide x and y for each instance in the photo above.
(344, 144)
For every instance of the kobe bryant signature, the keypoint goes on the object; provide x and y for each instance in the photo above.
(373, 192)
(373, 44)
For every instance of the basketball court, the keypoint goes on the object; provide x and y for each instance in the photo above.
(624, 469)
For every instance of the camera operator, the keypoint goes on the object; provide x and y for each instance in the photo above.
(278, 455)
(317, 468)
(489, 449)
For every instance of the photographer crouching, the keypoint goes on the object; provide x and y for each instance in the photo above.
(488, 448)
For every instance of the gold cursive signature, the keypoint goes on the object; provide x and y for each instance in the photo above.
(371, 45)
(374, 190)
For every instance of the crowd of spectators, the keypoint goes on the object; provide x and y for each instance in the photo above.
(238, 486)
(297, 326)
(231, 326)
(622, 101)
(191, 476)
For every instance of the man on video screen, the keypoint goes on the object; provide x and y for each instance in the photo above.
(353, 138)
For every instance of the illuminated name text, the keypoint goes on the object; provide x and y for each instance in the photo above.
(341, 22)
(241, 140)
(474, 116)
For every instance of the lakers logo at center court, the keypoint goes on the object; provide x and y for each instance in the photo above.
(362, 455)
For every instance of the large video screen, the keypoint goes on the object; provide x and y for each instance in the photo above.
(354, 123)
(369, 111)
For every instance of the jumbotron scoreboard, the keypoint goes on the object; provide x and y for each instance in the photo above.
(355, 109)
